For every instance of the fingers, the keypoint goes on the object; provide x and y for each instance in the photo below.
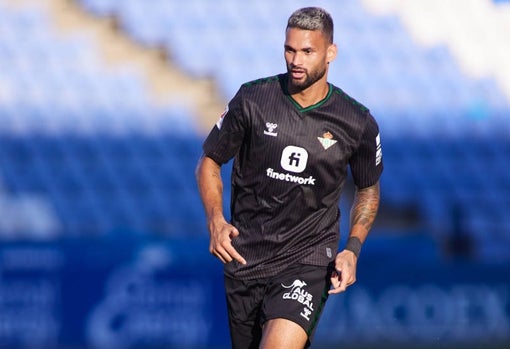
(340, 280)
(235, 255)
(344, 274)
(335, 282)
(234, 233)
(343, 285)
(222, 247)
(338, 283)
(228, 253)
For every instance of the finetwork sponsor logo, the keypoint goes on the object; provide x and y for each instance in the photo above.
(287, 177)
(294, 159)
(299, 294)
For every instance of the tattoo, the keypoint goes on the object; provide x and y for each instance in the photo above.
(365, 206)
(216, 174)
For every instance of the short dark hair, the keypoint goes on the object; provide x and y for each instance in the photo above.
(312, 18)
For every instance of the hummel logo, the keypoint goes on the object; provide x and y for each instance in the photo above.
(270, 129)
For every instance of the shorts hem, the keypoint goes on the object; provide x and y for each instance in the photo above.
(293, 319)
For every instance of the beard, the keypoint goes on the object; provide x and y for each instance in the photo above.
(310, 78)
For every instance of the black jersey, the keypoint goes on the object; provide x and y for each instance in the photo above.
(289, 169)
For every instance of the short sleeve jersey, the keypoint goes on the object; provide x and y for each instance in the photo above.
(290, 165)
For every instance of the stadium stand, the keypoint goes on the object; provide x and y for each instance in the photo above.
(443, 128)
(87, 138)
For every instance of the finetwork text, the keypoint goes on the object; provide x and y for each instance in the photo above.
(289, 177)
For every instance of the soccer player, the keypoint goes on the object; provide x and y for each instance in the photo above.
(293, 137)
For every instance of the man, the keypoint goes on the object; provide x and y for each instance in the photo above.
(293, 137)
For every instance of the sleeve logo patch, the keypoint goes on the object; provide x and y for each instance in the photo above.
(378, 151)
(222, 117)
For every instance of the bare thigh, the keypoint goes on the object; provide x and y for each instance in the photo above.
(282, 334)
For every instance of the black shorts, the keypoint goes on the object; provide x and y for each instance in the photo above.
(297, 294)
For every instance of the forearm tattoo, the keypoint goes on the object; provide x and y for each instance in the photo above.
(365, 206)
(216, 175)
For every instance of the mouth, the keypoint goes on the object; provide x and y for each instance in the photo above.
(298, 74)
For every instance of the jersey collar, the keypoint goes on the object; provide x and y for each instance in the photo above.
(313, 106)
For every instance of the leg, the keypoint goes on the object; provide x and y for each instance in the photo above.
(243, 303)
(292, 305)
(244, 334)
(283, 334)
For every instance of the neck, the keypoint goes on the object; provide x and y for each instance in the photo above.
(310, 95)
(307, 98)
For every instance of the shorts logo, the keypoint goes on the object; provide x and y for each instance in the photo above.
(298, 294)
(294, 159)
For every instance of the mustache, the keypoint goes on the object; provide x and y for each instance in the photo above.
(296, 68)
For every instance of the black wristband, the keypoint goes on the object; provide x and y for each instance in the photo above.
(354, 245)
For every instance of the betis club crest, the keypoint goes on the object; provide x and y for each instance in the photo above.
(327, 140)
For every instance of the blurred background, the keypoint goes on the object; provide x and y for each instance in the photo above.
(104, 105)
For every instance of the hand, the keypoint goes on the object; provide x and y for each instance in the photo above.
(344, 274)
(220, 244)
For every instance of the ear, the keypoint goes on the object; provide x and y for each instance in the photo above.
(331, 53)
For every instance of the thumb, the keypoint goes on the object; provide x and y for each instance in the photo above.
(343, 284)
(234, 232)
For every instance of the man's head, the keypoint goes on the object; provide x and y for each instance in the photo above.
(309, 47)
(312, 18)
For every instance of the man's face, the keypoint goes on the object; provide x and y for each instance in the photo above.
(307, 54)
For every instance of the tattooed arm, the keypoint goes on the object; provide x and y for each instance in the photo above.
(363, 213)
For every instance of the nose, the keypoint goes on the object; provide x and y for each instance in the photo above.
(297, 59)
